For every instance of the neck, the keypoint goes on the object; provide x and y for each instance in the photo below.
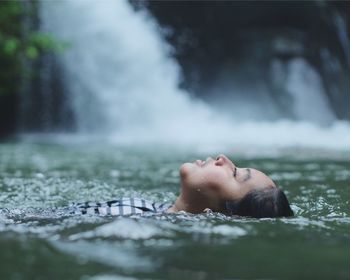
(179, 205)
(190, 201)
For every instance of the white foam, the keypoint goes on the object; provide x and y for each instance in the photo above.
(122, 228)
(124, 87)
(249, 135)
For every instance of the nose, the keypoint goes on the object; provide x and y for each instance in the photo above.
(222, 160)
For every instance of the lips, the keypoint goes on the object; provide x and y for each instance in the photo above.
(200, 162)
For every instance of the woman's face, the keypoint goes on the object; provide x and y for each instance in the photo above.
(220, 179)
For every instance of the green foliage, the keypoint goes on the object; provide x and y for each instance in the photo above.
(19, 43)
(39, 42)
(11, 45)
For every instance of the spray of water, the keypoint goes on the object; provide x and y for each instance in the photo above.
(342, 32)
(124, 84)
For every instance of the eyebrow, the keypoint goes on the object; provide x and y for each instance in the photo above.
(248, 175)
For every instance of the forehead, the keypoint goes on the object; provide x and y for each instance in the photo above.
(258, 179)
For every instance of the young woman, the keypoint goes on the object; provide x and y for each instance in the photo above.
(214, 184)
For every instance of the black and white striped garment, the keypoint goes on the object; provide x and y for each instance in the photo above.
(123, 206)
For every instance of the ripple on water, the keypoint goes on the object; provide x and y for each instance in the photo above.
(108, 277)
(36, 179)
(125, 256)
(166, 226)
(123, 228)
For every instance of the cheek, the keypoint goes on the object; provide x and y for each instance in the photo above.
(225, 189)
(192, 176)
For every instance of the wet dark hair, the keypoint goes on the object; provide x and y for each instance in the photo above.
(266, 203)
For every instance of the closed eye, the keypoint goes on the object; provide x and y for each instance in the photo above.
(235, 172)
(248, 175)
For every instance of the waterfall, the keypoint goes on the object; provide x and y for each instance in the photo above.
(118, 69)
(123, 83)
(303, 88)
(342, 32)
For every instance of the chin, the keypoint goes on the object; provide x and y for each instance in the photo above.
(185, 169)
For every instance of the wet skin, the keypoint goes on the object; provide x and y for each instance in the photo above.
(206, 184)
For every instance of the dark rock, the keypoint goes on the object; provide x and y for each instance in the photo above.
(227, 47)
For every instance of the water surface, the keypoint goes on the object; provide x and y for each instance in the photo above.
(38, 241)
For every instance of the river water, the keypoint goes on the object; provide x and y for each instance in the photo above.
(120, 80)
(38, 241)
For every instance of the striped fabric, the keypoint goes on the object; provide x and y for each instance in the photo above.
(123, 206)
